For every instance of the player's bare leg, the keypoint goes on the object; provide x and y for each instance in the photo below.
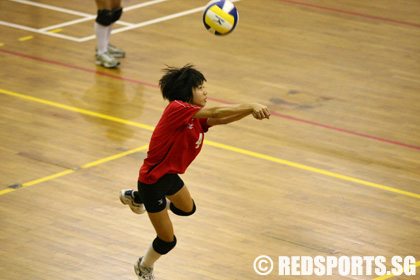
(182, 200)
(163, 243)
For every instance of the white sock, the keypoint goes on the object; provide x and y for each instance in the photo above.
(150, 257)
(102, 38)
(109, 32)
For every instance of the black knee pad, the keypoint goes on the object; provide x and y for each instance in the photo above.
(107, 17)
(163, 247)
(104, 17)
(180, 212)
(116, 14)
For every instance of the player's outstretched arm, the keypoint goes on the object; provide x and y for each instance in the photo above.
(225, 114)
(257, 110)
(226, 120)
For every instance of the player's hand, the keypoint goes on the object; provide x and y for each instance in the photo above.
(260, 111)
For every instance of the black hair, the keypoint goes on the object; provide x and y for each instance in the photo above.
(178, 83)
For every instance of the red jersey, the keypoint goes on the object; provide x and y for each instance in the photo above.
(175, 143)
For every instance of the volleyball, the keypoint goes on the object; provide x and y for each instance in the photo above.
(220, 17)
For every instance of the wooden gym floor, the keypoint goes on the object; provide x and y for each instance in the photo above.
(334, 172)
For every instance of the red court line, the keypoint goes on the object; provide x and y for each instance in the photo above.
(78, 68)
(350, 13)
(349, 132)
(213, 99)
(331, 127)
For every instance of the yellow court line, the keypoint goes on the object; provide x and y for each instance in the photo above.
(222, 146)
(26, 38)
(47, 178)
(69, 171)
(6, 191)
(1, 44)
(74, 109)
(417, 264)
(123, 154)
(312, 169)
(55, 30)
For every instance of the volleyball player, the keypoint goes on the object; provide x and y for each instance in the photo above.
(109, 11)
(176, 141)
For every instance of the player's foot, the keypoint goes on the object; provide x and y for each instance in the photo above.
(107, 60)
(143, 273)
(114, 51)
(126, 197)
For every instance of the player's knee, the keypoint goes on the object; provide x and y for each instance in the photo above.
(179, 212)
(107, 17)
(163, 247)
(116, 14)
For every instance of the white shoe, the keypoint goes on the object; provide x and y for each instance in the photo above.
(143, 273)
(115, 52)
(126, 197)
(107, 60)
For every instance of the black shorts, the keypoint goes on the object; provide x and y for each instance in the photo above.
(154, 195)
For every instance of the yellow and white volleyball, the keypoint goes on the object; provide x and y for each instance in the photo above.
(220, 17)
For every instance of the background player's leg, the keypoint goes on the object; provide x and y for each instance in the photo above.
(103, 28)
(108, 4)
(102, 38)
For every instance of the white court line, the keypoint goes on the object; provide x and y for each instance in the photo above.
(45, 6)
(78, 21)
(86, 17)
(90, 17)
(51, 8)
(41, 32)
(141, 5)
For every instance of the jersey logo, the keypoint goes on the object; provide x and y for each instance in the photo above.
(160, 201)
(190, 126)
